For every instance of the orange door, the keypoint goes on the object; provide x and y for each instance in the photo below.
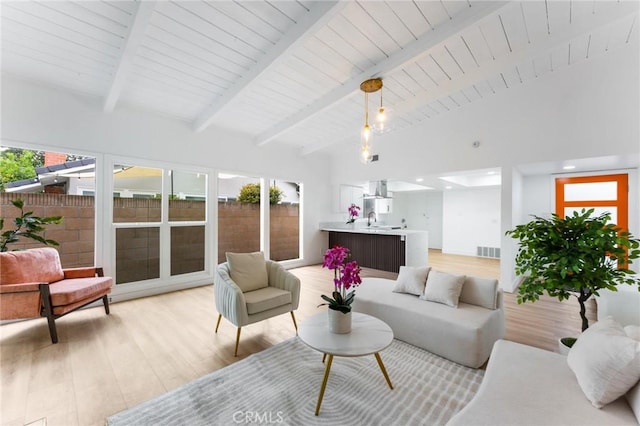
(602, 193)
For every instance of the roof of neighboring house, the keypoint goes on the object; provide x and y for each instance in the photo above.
(46, 174)
(67, 166)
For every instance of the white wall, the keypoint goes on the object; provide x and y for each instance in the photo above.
(422, 210)
(471, 218)
(40, 117)
(537, 197)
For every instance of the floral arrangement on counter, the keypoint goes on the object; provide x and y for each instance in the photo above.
(353, 213)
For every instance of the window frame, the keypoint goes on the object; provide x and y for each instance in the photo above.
(621, 202)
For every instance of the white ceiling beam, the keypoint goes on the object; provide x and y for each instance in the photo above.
(491, 69)
(589, 24)
(321, 13)
(131, 44)
(413, 51)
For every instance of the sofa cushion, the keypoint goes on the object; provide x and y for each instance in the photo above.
(480, 292)
(524, 385)
(443, 288)
(633, 398)
(248, 270)
(632, 331)
(266, 298)
(464, 335)
(74, 290)
(606, 362)
(412, 279)
(33, 265)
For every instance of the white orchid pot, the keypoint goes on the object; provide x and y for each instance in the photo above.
(339, 323)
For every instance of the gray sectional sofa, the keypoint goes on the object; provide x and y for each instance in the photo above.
(464, 334)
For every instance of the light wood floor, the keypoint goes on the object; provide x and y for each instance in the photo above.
(105, 364)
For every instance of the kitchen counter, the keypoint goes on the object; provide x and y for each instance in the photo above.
(382, 248)
(376, 230)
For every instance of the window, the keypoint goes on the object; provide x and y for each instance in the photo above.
(136, 207)
(284, 221)
(187, 218)
(159, 231)
(604, 193)
(52, 184)
(238, 221)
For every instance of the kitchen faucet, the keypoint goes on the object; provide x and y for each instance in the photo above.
(369, 217)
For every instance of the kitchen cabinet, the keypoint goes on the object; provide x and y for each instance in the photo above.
(384, 205)
(385, 250)
(350, 195)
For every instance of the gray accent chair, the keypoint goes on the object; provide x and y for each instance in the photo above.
(282, 295)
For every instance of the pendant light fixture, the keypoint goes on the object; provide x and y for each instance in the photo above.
(369, 86)
(381, 118)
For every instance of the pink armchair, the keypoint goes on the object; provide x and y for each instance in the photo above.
(33, 284)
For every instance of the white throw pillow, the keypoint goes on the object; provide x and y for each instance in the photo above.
(411, 279)
(480, 292)
(443, 288)
(248, 270)
(606, 362)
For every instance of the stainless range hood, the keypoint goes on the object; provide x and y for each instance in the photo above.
(377, 189)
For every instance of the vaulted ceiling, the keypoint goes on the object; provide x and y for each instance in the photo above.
(289, 72)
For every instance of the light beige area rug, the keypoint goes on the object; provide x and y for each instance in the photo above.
(280, 385)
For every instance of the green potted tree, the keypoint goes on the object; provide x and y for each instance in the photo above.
(577, 255)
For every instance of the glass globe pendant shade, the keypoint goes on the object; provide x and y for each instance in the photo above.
(366, 134)
(365, 137)
(366, 153)
(381, 120)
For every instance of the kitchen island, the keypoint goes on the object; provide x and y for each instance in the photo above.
(382, 248)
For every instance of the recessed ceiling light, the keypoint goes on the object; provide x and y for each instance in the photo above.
(448, 187)
(419, 180)
(568, 167)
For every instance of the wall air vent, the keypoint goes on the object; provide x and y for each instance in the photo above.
(490, 252)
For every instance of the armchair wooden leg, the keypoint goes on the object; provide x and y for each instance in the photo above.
(235, 353)
(293, 317)
(48, 311)
(105, 300)
(218, 323)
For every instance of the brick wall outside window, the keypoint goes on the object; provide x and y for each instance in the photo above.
(238, 229)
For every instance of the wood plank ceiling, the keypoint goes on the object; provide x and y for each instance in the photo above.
(289, 71)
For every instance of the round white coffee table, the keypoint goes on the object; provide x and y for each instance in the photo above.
(369, 335)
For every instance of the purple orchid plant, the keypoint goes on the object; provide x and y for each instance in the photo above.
(346, 276)
(353, 212)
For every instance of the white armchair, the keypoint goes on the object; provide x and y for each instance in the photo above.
(248, 299)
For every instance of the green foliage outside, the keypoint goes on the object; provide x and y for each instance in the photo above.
(573, 256)
(250, 193)
(18, 164)
(27, 226)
